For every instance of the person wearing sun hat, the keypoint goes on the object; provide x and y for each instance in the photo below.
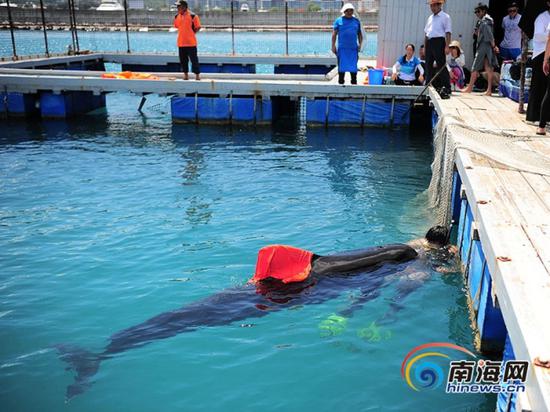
(510, 47)
(437, 39)
(347, 29)
(455, 64)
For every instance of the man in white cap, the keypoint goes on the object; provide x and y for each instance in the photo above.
(437, 39)
(347, 28)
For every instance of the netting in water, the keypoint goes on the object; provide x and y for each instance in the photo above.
(451, 134)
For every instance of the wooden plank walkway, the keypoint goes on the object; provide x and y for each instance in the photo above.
(512, 212)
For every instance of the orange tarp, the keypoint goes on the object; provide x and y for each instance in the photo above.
(129, 76)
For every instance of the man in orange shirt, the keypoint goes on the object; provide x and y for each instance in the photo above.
(187, 24)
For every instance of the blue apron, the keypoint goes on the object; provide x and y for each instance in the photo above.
(348, 49)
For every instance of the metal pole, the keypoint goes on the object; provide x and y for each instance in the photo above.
(44, 27)
(75, 28)
(126, 22)
(286, 24)
(71, 25)
(11, 30)
(232, 29)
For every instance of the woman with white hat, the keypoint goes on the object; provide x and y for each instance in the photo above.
(455, 64)
(347, 28)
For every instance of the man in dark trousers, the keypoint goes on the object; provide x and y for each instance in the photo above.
(437, 39)
(188, 24)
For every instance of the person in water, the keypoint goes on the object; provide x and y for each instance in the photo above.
(289, 264)
(435, 247)
(437, 237)
(284, 277)
(434, 251)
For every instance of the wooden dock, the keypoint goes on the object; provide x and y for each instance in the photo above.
(511, 215)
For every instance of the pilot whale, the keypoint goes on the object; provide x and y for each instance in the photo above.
(365, 270)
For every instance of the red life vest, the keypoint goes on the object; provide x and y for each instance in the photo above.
(286, 263)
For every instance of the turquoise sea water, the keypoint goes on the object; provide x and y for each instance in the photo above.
(112, 218)
(32, 42)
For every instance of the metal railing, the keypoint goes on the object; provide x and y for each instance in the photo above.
(294, 23)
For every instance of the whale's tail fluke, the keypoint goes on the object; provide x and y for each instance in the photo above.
(84, 363)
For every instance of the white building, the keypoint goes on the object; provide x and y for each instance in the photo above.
(367, 5)
(402, 21)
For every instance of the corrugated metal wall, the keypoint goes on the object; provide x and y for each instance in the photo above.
(403, 21)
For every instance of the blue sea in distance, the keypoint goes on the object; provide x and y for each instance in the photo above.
(319, 43)
(115, 217)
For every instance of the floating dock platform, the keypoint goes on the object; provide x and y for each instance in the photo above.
(504, 240)
(231, 89)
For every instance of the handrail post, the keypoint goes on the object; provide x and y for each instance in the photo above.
(44, 28)
(75, 28)
(286, 25)
(126, 22)
(232, 29)
(71, 25)
(11, 30)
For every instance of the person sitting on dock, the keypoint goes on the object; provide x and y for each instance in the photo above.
(455, 64)
(405, 68)
(347, 28)
(485, 57)
(188, 24)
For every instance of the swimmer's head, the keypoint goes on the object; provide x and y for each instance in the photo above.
(438, 235)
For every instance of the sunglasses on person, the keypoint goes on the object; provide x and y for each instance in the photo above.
(512, 10)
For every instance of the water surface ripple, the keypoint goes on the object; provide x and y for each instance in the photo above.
(108, 220)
